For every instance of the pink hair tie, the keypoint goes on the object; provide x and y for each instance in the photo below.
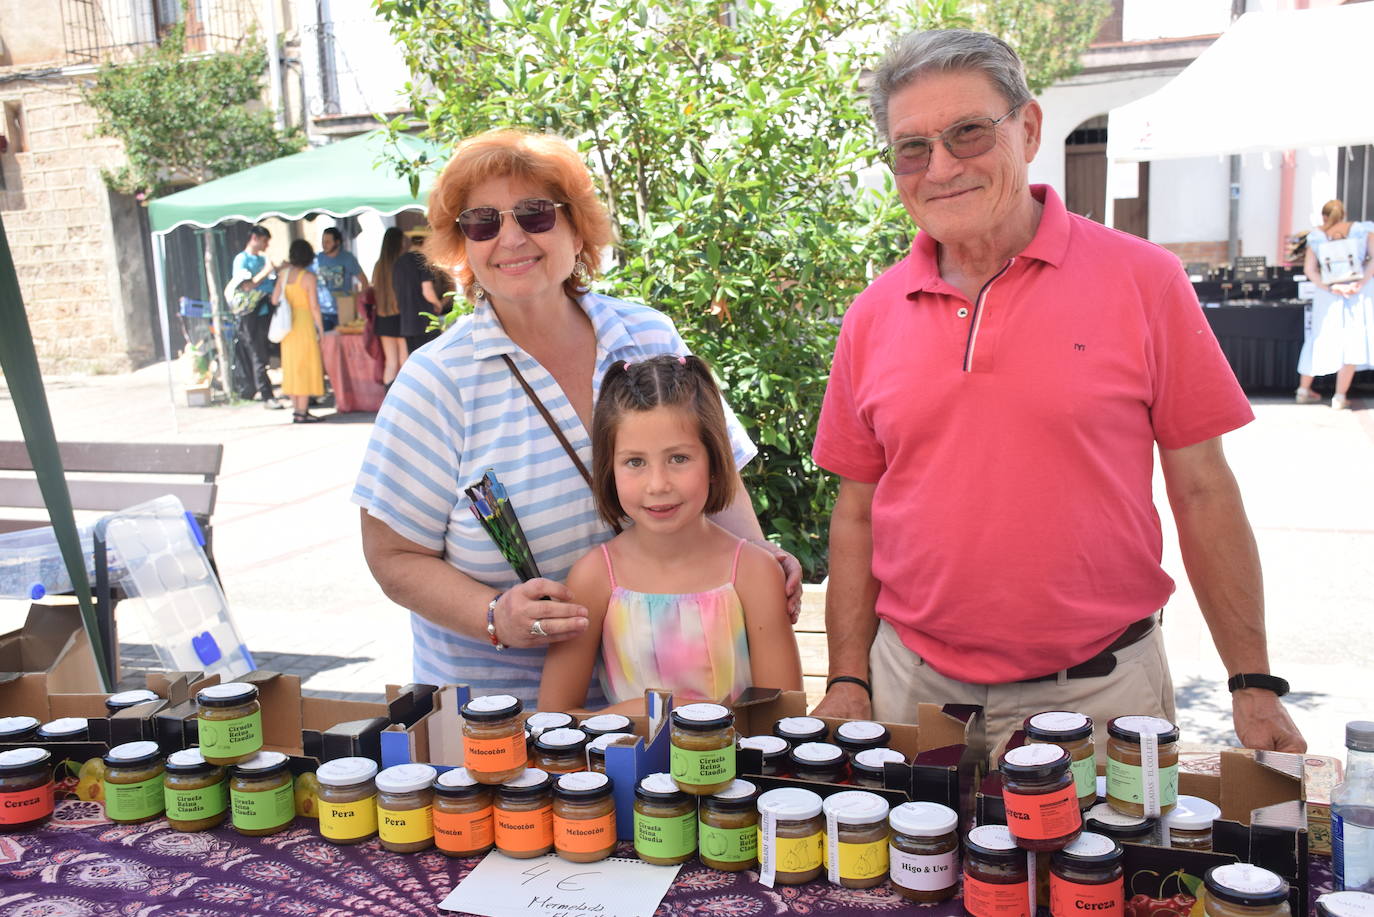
(682, 360)
(626, 364)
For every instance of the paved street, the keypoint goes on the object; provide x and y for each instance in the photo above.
(286, 539)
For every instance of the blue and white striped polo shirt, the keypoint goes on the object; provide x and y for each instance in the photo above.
(454, 411)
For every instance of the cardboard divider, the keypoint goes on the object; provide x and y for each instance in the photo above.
(626, 765)
(430, 729)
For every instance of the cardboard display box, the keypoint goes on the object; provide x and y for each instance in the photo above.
(310, 727)
(50, 654)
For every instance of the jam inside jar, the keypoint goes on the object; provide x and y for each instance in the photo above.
(703, 748)
(924, 852)
(494, 738)
(1040, 797)
(1142, 765)
(1072, 732)
(1086, 877)
(728, 828)
(791, 836)
(1242, 890)
(996, 881)
(26, 788)
(856, 851)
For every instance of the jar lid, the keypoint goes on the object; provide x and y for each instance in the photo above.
(1034, 761)
(187, 761)
(1059, 726)
(1130, 728)
(871, 760)
(529, 782)
(491, 708)
(456, 781)
(1089, 850)
(790, 803)
(740, 794)
(64, 727)
(862, 732)
(132, 753)
(1241, 883)
(19, 760)
(262, 764)
(800, 728)
(771, 746)
(606, 722)
(702, 717)
(231, 694)
(582, 786)
(346, 771)
(1346, 904)
(1192, 814)
(17, 725)
(923, 819)
(561, 740)
(993, 841)
(406, 778)
(1106, 820)
(658, 787)
(540, 721)
(1359, 735)
(598, 744)
(855, 807)
(129, 699)
(817, 754)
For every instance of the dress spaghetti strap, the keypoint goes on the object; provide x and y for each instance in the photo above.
(734, 567)
(610, 571)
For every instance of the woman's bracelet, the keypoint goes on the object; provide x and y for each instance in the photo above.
(491, 622)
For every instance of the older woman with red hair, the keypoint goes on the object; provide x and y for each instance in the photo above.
(510, 387)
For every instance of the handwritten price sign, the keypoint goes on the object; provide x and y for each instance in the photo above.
(547, 886)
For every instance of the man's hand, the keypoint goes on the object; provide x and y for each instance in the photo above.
(845, 701)
(1262, 722)
(791, 574)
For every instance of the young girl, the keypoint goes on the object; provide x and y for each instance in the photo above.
(674, 601)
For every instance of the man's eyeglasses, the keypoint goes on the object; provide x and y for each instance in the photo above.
(964, 140)
(534, 214)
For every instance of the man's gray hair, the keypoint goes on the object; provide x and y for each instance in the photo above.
(941, 51)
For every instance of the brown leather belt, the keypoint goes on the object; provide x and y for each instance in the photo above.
(1104, 663)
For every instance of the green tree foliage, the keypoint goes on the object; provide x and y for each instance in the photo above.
(1050, 35)
(185, 118)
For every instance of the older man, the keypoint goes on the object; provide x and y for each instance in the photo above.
(992, 413)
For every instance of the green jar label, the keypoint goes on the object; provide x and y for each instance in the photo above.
(132, 801)
(666, 838)
(730, 845)
(193, 805)
(703, 768)
(1126, 782)
(230, 738)
(268, 809)
(1085, 776)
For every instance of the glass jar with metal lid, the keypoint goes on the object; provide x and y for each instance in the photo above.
(583, 817)
(604, 723)
(463, 824)
(124, 699)
(1124, 829)
(702, 756)
(229, 720)
(494, 749)
(1142, 765)
(868, 769)
(1242, 890)
(596, 748)
(923, 852)
(133, 783)
(1086, 877)
(860, 735)
(523, 811)
(819, 761)
(1189, 825)
(26, 788)
(794, 730)
(1345, 904)
(65, 729)
(405, 807)
(728, 828)
(1072, 732)
(262, 798)
(774, 753)
(1039, 796)
(18, 728)
(665, 821)
(561, 751)
(541, 721)
(996, 881)
(791, 836)
(348, 800)
(195, 792)
(856, 839)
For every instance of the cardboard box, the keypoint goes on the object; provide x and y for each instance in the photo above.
(297, 725)
(348, 306)
(50, 654)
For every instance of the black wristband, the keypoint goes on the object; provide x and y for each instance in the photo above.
(1267, 682)
(850, 679)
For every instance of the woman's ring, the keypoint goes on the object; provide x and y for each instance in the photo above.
(537, 629)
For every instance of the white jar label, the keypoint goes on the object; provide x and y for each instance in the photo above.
(923, 873)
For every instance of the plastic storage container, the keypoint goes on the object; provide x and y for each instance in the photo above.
(31, 564)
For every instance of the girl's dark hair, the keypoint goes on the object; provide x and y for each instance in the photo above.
(662, 381)
(301, 253)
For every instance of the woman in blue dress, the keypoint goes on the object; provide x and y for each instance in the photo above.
(1340, 335)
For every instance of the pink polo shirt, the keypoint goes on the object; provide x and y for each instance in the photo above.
(1011, 441)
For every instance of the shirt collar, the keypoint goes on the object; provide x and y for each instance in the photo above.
(489, 339)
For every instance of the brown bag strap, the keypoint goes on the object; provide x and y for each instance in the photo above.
(553, 425)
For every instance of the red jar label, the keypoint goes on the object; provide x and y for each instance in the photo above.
(26, 805)
(1068, 898)
(986, 899)
(1045, 817)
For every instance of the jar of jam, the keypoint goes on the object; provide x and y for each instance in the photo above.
(463, 823)
(523, 811)
(773, 751)
(605, 723)
(1072, 732)
(1124, 829)
(405, 807)
(229, 719)
(665, 821)
(1040, 798)
(494, 748)
(794, 730)
(542, 721)
(1345, 904)
(1142, 765)
(856, 839)
(791, 837)
(1189, 825)
(195, 792)
(124, 699)
(1242, 890)
(133, 783)
(26, 788)
(996, 881)
(703, 748)
(596, 748)
(348, 800)
(262, 797)
(868, 769)
(860, 735)
(1086, 877)
(66, 729)
(728, 828)
(819, 761)
(561, 751)
(18, 729)
(923, 853)
(583, 817)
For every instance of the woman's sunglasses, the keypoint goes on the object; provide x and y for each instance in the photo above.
(534, 214)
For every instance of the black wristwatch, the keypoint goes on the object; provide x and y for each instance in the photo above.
(1267, 682)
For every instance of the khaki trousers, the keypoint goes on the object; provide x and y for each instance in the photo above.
(1140, 684)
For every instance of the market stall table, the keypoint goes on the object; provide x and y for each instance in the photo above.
(351, 373)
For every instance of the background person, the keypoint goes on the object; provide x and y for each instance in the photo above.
(387, 322)
(253, 325)
(341, 278)
(302, 366)
(417, 292)
(1341, 337)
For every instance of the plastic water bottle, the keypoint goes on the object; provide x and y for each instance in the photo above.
(1352, 813)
